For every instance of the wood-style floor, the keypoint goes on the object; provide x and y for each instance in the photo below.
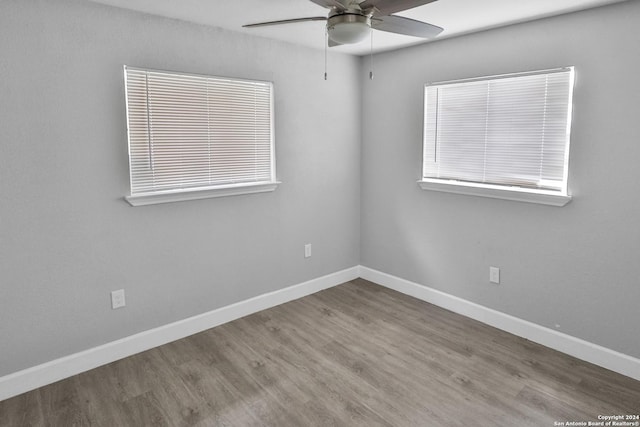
(354, 355)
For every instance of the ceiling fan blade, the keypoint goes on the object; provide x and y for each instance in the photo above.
(387, 7)
(330, 4)
(405, 26)
(286, 21)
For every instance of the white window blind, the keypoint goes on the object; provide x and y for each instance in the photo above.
(189, 132)
(502, 131)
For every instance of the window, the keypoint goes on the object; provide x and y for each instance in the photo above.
(194, 136)
(503, 136)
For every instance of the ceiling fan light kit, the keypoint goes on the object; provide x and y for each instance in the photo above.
(348, 28)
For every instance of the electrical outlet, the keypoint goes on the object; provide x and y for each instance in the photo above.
(307, 250)
(494, 274)
(117, 299)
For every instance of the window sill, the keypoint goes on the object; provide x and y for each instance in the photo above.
(497, 192)
(200, 193)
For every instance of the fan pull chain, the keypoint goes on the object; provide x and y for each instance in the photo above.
(371, 58)
(326, 43)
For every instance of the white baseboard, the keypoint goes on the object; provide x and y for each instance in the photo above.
(593, 353)
(55, 370)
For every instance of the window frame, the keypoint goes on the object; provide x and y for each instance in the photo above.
(201, 192)
(502, 191)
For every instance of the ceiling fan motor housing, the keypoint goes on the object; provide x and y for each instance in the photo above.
(347, 28)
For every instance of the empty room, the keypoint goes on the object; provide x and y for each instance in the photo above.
(319, 212)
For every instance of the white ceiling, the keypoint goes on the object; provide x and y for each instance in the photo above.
(455, 16)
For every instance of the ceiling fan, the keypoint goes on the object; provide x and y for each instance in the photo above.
(350, 21)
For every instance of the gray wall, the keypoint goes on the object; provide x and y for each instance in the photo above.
(67, 238)
(576, 266)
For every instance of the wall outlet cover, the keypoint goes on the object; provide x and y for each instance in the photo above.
(117, 299)
(494, 274)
